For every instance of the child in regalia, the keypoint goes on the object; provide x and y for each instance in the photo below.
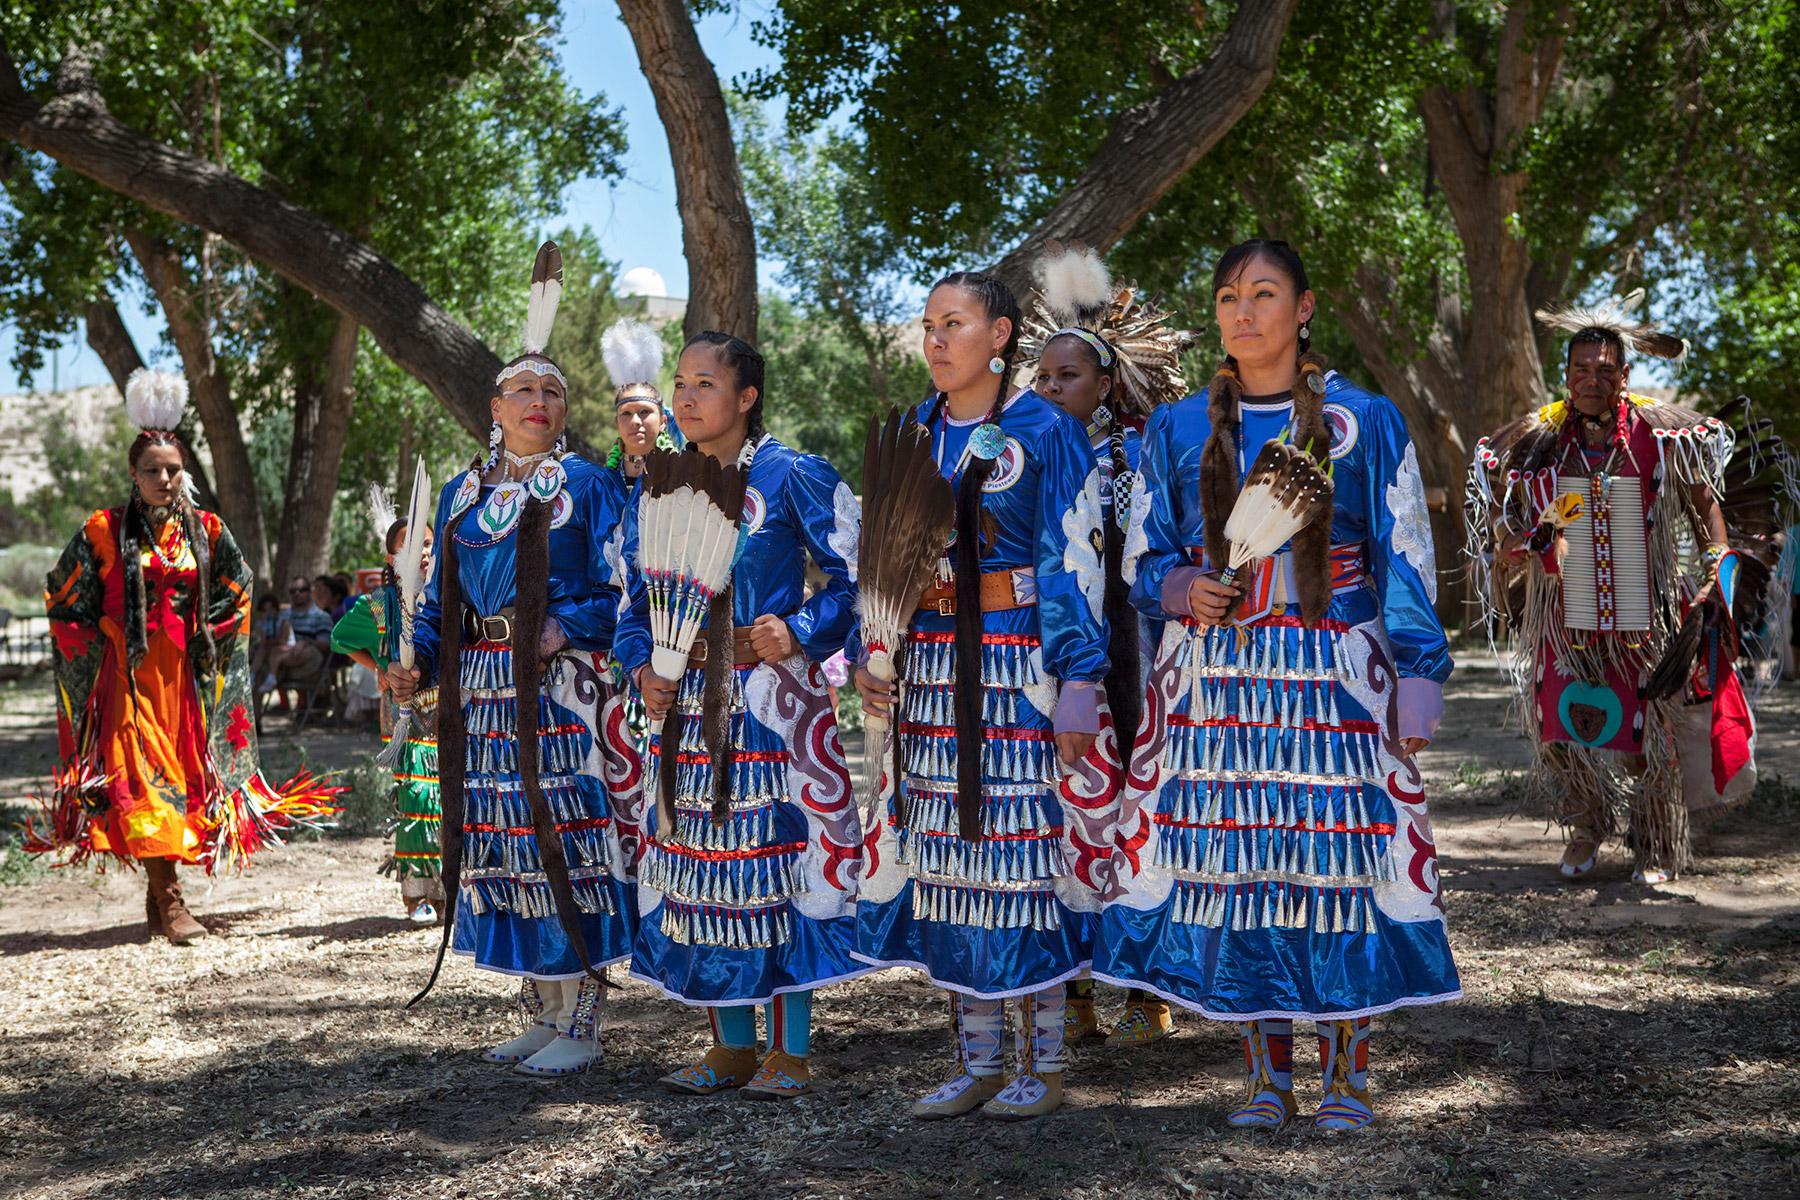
(1104, 356)
(978, 875)
(752, 843)
(537, 776)
(1273, 842)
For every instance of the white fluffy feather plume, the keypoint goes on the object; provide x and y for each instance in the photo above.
(155, 399)
(1075, 284)
(633, 352)
(546, 294)
(381, 513)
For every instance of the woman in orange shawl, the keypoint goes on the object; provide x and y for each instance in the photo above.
(150, 612)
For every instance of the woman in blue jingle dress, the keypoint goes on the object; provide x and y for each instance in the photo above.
(530, 515)
(1273, 842)
(748, 896)
(980, 875)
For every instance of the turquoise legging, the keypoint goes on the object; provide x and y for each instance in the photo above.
(789, 1018)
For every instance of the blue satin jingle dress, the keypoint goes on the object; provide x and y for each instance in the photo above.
(1013, 912)
(505, 915)
(1273, 851)
(763, 904)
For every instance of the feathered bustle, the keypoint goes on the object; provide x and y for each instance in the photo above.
(633, 352)
(1616, 316)
(546, 293)
(155, 399)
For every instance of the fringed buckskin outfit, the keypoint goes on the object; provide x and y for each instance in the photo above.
(749, 878)
(1595, 608)
(1273, 858)
(979, 875)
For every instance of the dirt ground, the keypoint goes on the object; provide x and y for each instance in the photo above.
(1615, 1041)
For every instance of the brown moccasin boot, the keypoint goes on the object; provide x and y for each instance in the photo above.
(178, 924)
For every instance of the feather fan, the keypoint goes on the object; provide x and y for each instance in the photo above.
(687, 542)
(1284, 492)
(909, 511)
(633, 352)
(409, 583)
(155, 399)
(546, 293)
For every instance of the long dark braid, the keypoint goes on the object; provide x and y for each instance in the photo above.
(1124, 678)
(997, 301)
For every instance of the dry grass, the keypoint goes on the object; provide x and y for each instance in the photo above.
(1616, 1041)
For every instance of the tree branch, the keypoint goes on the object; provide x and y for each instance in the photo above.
(1154, 143)
(77, 131)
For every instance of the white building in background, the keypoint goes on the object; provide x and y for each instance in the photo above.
(647, 285)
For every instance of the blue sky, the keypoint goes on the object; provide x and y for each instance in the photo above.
(635, 218)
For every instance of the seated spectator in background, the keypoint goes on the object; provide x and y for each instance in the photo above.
(331, 593)
(263, 630)
(304, 642)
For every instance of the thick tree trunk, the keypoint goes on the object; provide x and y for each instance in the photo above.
(108, 337)
(1154, 143)
(210, 391)
(1473, 134)
(321, 423)
(77, 131)
(717, 236)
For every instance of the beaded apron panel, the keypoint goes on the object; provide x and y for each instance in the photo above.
(1006, 880)
(1273, 811)
(501, 867)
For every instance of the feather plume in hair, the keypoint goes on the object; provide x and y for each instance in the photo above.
(633, 352)
(1074, 284)
(546, 293)
(155, 400)
(1616, 317)
(381, 513)
(909, 511)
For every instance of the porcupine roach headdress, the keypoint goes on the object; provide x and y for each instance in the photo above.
(1137, 349)
(1615, 317)
(532, 570)
(1077, 295)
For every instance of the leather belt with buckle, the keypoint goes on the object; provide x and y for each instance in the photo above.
(999, 592)
(742, 652)
(497, 628)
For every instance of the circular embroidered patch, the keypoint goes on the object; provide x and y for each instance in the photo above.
(548, 479)
(561, 509)
(1009, 467)
(755, 510)
(496, 518)
(466, 494)
(1343, 429)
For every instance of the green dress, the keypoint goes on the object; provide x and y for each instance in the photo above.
(417, 851)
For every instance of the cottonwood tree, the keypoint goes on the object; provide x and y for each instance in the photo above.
(267, 131)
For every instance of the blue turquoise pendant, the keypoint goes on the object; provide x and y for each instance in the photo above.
(987, 441)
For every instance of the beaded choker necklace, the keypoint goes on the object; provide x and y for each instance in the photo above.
(525, 463)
